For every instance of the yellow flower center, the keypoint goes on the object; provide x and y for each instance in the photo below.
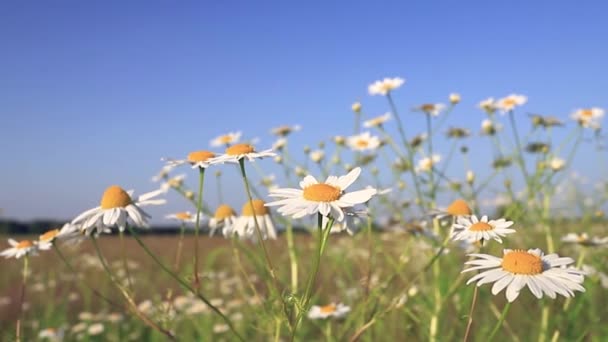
(183, 216)
(199, 156)
(226, 139)
(49, 236)
(509, 103)
(362, 143)
(327, 309)
(283, 130)
(586, 113)
(237, 149)
(480, 227)
(427, 107)
(24, 244)
(258, 208)
(522, 262)
(115, 197)
(322, 193)
(224, 211)
(458, 207)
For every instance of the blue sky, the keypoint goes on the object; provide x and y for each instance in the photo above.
(95, 93)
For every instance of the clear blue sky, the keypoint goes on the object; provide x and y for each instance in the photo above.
(95, 93)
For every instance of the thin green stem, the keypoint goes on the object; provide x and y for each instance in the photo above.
(197, 226)
(293, 257)
(73, 271)
(180, 243)
(184, 283)
(124, 260)
(499, 322)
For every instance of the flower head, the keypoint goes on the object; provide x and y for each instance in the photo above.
(328, 198)
(356, 107)
(67, 232)
(198, 159)
(19, 249)
(426, 164)
(584, 239)
(283, 131)
(363, 142)
(488, 105)
(331, 310)
(253, 211)
(433, 109)
(542, 274)
(588, 117)
(454, 98)
(226, 139)
(471, 229)
(223, 218)
(116, 207)
(508, 103)
(377, 121)
(385, 86)
(237, 152)
(182, 216)
(557, 164)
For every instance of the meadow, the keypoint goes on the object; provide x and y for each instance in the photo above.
(374, 235)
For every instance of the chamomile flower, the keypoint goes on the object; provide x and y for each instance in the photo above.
(116, 207)
(588, 117)
(363, 142)
(433, 109)
(68, 231)
(331, 310)
(223, 218)
(237, 152)
(226, 139)
(279, 144)
(163, 173)
(488, 105)
(584, 239)
(175, 182)
(328, 198)
(202, 159)
(542, 274)
(317, 155)
(454, 98)
(508, 103)
(51, 334)
(470, 228)
(182, 216)
(283, 131)
(457, 208)
(244, 225)
(557, 164)
(489, 128)
(377, 121)
(19, 249)
(356, 107)
(385, 86)
(426, 164)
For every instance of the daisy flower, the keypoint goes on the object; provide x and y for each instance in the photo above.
(377, 121)
(426, 164)
(226, 139)
(363, 142)
(182, 216)
(328, 198)
(163, 173)
(279, 144)
(470, 228)
(351, 224)
(51, 334)
(584, 239)
(557, 164)
(19, 249)
(173, 182)
(223, 218)
(458, 207)
(237, 152)
(488, 105)
(317, 156)
(454, 98)
(356, 107)
(489, 128)
(433, 109)
(385, 86)
(244, 226)
(332, 310)
(588, 117)
(542, 274)
(115, 208)
(67, 232)
(283, 131)
(508, 103)
(202, 159)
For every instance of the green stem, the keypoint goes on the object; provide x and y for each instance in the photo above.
(198, 222)
(499, 323)
(124, 260)
(184, 283)
(73, 271)
(180, 243)
(293, 257)
(544, 323)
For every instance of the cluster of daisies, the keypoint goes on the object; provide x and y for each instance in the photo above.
(542, 274)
